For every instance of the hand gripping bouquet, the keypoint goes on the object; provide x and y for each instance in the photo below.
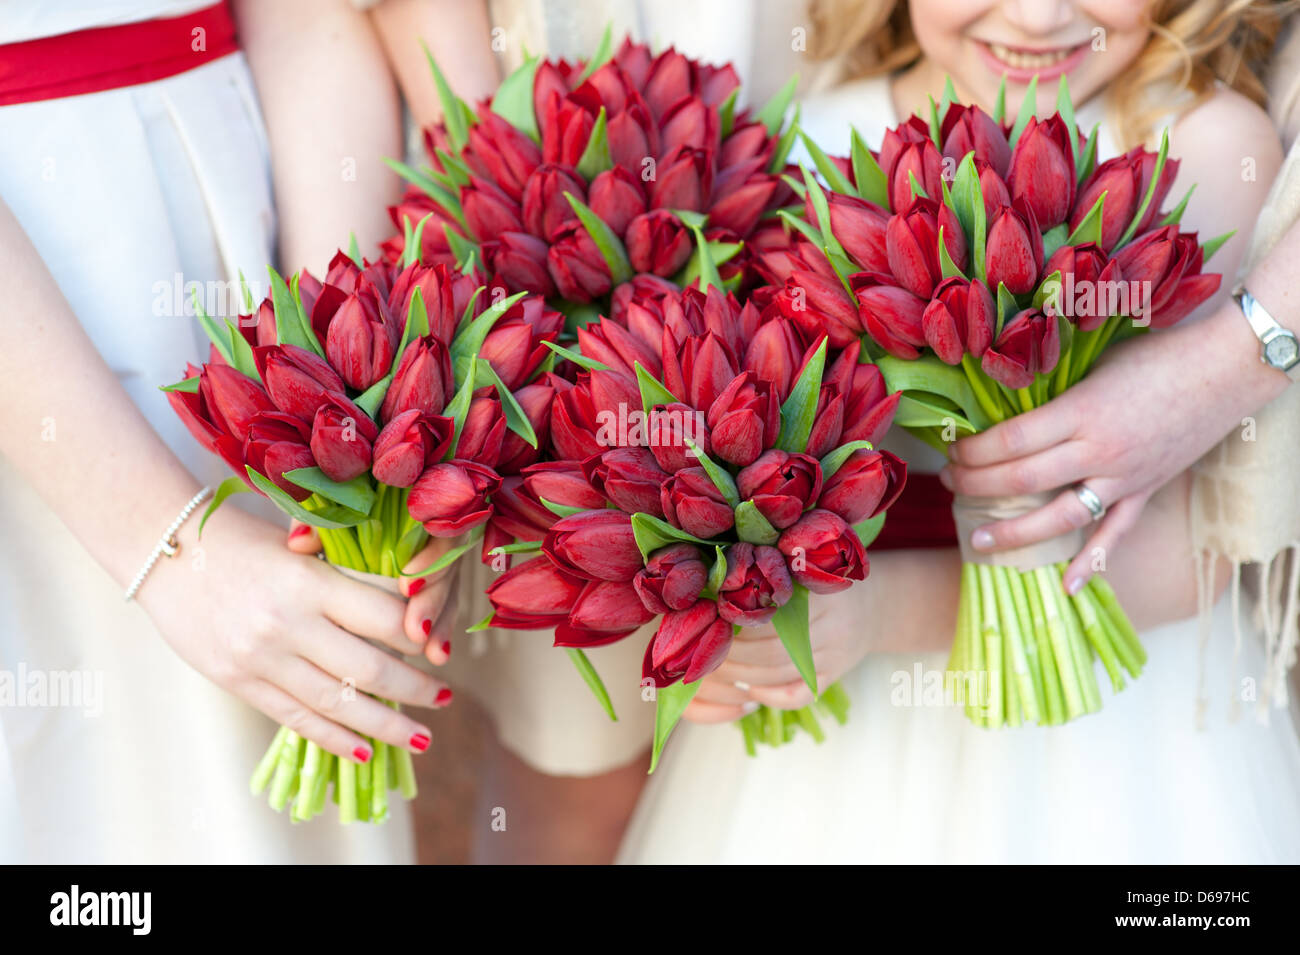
(361, 404)
(982, 293)
(710, 471)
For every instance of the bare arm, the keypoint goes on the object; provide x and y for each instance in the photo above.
(332, 116)
(457, 33)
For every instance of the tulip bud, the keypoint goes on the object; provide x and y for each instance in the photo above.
(672, 578)
(629, 477)
(890, 315)
(233, 399)
(684, 179)
(421, 381)
(860, 227)
(341, 451)
(689, 644)
(408, 445)
(865, 484)
(519, 260)
(501, 152)
(744, 420)
(451, 498)
(536, 595)
(1014, 253)
(828, 423)
(658, 243)
(545, 208)
(774, 354)
(757, 584)
(360, 341)
(691, 501)
(617, 197)
(605, 611)
(781, 485)
(969, 128)
(823, 552)
(483, 433)
(670, 428)
(276, 443)
(598, 545)
(489, 211)
(1028, 345)
(1041, 174)
(576, 265)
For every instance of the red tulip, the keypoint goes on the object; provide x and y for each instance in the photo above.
(611, 344)
(744, 420)
(960, 318)
(340, 444)
(422, 380)
(823, 552)
(535, 400)
(440, 291)
(501, 152)
(233, 399)
(866, 484)
(775, 354)
(967, 128)
(361, 340)
(756, 586)
(516, 349)
(604, 612)
(483, 433)
(1041, 174)
(890, 315)
(563, 483)
(598, 545)
(828, 423)
(868, 407)
(544, 207)
(408, 445)
(692, 502)
(276, 443)
(488, 210)
(297, 380)
(700, 372)
(617, 197)
(1014, 255)
(683, 180)
(576, 265)
(670, 426)
(1088, 274)
(740, 196)
(1168, 264)
(860, 227)
(781, 485)
(1125, 181)
(817, 305)
(672, 578)
(1029, 345)
(689, 645)
(630, 477)
(919, 159)
(519, 260)
(451, 498)
(658, 243)
(195, 412)
(533, 596)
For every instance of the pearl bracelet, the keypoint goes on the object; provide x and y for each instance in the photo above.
(167, 544)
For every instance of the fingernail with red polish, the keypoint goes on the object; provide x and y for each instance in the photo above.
(419, 742)
(426, 626)
(446, 648)
(416, 586)
(299, 531)
(443, 697)
(362, 754)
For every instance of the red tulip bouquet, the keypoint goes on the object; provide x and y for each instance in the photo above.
(710, 470)
(574, 178)
(350, 402)
(981, 292)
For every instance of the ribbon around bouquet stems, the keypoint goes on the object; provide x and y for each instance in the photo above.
(972, 512)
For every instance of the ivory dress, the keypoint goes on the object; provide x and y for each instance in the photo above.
(122, 192)
(1137, 782)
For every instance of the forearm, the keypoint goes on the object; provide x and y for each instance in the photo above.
(332, 116)
(70, 430)
(458, 35)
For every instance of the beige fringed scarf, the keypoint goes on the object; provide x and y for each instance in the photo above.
(1246, 492)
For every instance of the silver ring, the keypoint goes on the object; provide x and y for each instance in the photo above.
(1088, 498)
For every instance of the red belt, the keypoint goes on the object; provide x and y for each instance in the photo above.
(108, 58)
(920, 517)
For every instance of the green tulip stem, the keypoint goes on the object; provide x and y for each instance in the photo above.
(270, 759)
(286, 771)
(346, 790)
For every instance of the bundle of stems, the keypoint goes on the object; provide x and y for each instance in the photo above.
(298, 771)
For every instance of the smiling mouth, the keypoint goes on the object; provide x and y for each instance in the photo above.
(1029, 59)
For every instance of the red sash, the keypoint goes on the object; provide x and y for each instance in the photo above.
(107, 58)
(921, 517)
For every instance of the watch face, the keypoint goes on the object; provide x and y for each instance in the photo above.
(1282, 352)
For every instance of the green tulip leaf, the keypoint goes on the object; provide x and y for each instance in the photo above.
(934, 124)
(829, 171)
(1176, 216)
(873, 185)
(463, 250)
(772, 113)
(719, 475)
(717, 573)
(231, 485)
(449, 558)
(357, 494)
(753, 527)
(1065, 106)
(727, 113)
(579, 359)
(607, 241)
(1027, 106)
(596, 158)
(1000, 102)
(1087, 156)
(652, 533)
(593, 680)
(949, 268)
(516, 420)
(1213, 245)
(562, 510)
(453, 109)
(354, 250)
(870, 529)
(1053, 239)
(783, 145)
(332, 518)
(188, 385)
(834, 460)
(604, 53)
(791, 625)
(1161, 158)
(653, 391)
(218, 334)
(716, 252)
(465, 347)
(798, 411)
(931, 376)
(1089, 227)
(513, 101)
(670, 703)
(459, 408)
(949, 97)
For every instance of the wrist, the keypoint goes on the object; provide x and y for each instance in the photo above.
(1232, 351)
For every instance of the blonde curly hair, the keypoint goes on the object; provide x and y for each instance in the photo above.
(1193, 44)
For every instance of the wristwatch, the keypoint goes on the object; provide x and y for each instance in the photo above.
(1280, 348)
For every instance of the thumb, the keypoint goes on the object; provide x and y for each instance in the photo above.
(435, 550)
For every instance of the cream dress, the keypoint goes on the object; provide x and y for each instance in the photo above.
(1137, 782)
(123, 192)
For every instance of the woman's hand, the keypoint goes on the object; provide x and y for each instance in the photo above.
(758, 668)
(283, 632)
(431, 606)
(1150, 409)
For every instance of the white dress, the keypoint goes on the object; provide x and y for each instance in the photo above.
(1136, 783)
(119, 191)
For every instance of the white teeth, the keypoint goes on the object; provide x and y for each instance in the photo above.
(1027, 61)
